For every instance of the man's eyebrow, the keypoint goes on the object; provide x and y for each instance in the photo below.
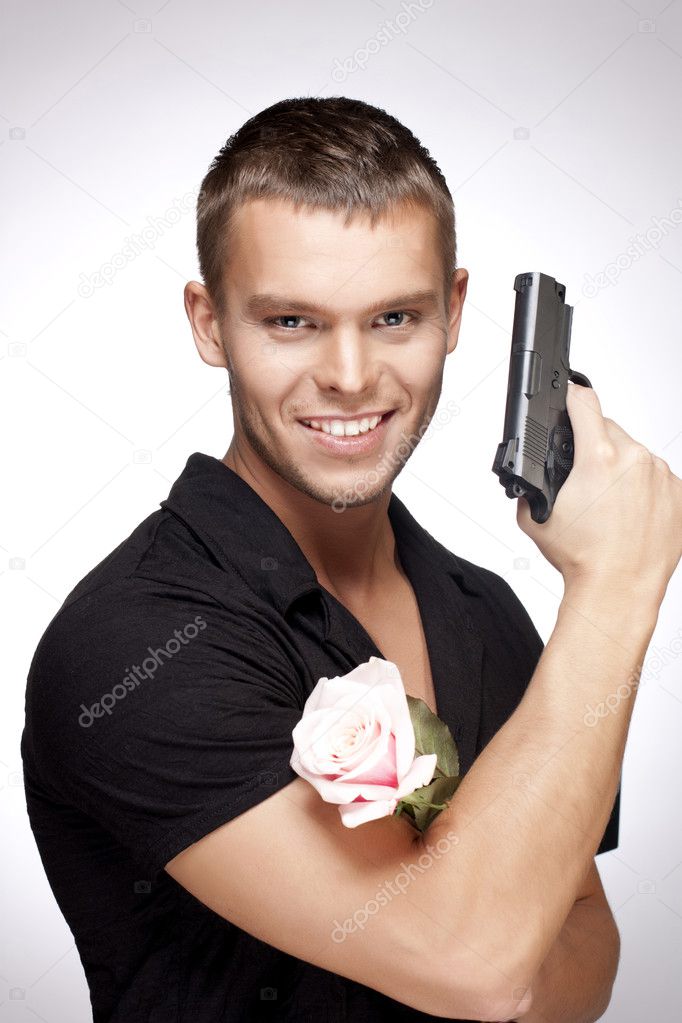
(260, 303)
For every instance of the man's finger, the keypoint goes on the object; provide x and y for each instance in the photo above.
(587, 421)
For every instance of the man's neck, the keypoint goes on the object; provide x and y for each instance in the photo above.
(352, 552)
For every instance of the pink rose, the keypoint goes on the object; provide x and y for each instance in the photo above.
(355, 743)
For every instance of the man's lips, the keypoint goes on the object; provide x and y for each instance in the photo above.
(359, 443)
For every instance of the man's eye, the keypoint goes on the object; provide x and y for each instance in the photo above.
(286, 323)
(396, 318)
(393, 314)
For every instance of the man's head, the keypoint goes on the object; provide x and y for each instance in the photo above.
(326, 241)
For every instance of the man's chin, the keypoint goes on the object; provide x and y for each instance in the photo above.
(357, 492)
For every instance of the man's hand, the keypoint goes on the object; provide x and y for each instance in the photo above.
(617, 516)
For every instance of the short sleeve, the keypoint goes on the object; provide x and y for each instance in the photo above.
(161, 718)
(512, 650)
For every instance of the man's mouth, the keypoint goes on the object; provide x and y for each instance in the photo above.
(347, 427)
(345, 437)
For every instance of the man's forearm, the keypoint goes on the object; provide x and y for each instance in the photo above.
(531, 811)
(574, 983)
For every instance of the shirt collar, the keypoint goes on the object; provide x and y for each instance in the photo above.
(244, 533)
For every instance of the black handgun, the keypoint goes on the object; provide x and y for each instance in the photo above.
(536, 454)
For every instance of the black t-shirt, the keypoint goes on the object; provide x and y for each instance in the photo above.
(160, 705)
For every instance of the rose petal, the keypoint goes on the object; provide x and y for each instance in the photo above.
(381, 770)
(313, 733)
(353, 814)
(314, 741)
(421, 773)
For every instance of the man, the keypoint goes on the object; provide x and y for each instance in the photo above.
(202, 878)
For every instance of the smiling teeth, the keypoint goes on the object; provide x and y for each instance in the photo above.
(344, 427)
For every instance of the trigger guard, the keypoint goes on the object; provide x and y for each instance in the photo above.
(578, 378)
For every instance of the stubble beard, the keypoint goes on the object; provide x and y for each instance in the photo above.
(369, 483)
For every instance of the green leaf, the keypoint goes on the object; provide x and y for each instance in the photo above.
(431, 735)
(422, 806)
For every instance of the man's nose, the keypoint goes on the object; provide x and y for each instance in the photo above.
(346, 360)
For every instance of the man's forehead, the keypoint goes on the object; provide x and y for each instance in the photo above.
(274, 245)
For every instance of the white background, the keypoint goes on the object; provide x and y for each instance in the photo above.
(557, 127)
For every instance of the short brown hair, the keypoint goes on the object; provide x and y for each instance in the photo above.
(332, 153)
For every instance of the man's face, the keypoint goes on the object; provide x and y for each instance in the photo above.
(325, 321)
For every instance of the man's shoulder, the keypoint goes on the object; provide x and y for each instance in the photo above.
(135, 638)
(158, 547)
(158, 580)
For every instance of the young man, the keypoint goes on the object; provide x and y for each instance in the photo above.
(202, 878)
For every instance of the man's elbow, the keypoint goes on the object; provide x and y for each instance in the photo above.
(473, 987)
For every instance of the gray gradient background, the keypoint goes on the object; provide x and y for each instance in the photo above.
(557, 127)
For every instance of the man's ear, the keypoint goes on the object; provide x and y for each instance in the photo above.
(205, 325)
(458, 292)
